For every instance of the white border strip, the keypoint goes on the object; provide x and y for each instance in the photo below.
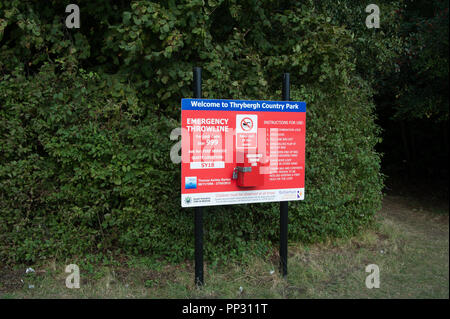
(242, 197)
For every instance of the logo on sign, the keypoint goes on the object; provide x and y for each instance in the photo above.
(246, 130)
(187, 200)
(246, 124)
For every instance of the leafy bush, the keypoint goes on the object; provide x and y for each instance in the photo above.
(85, 125)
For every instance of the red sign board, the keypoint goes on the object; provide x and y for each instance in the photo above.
(236, 152)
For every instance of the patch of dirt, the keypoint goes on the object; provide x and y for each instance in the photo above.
(408, 213)
(10, 280)
(299, 290)
(406, 210)
(121, 274)
(159, 278)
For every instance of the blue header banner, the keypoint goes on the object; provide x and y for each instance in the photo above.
(242, 105)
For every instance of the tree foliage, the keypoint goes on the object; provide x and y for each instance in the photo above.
(422, 81)
(86, 114)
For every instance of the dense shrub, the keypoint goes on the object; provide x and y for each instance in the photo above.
(85, 119)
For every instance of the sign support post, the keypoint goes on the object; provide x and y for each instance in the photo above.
(198, 219)
(284, 205)
(238, 152)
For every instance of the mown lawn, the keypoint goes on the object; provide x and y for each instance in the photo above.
(410, 247)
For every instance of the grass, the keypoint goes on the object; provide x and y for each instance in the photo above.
(410, 247)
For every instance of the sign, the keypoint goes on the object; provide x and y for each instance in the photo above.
(236, 152)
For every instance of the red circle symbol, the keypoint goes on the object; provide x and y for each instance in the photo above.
(246, 124)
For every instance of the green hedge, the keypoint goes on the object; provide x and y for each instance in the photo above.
(84, 134)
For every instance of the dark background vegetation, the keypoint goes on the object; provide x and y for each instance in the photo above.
(86, 114)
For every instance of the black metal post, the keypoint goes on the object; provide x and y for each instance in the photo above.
(284, 205)
(198, 222)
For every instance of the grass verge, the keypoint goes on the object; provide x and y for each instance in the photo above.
(410, 247)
